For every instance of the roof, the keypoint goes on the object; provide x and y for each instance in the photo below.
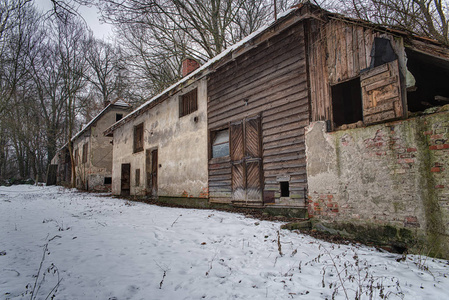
(201, 71)
(117, 103)
(240, 47)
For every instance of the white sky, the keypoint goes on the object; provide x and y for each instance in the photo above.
(90, 15)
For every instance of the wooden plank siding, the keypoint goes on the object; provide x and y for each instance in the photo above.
(337, 52)
(270, 81)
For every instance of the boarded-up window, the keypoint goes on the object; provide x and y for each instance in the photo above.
(220, 143)
(138, 138)
(188, 103)
(76, 157)
(118, 117)
(381, 93)
(137, 177)
(85, 149)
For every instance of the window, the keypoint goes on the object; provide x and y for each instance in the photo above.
(285, 190)
(138, 138)
(188, 103)
(85, 149)
(220, 143)
(347, 102)
(118, 117)
(137, 177)
(76, 157)
(108, 180)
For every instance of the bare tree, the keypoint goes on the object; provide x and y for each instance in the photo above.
(426, 17)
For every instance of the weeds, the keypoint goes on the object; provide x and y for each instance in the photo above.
(39, 283)
(348, 274)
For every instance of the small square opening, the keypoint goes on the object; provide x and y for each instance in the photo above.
(347, 102)
(108, 180)
(285, 189)
(118, 117)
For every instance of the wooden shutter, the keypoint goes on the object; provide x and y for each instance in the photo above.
(252, 137)
(253, 160)
(238, 166)
(381, 93)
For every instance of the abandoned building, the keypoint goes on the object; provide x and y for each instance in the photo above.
(92, 151)
(331, 117)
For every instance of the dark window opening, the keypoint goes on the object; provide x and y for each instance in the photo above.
(430, 76)
(108, 180)
(138, 138)
(85, 149)
(347, 102)
(285, 189)
(118, 117)
(188, 103)
(382, 52)
(220, 143)
(137, 177)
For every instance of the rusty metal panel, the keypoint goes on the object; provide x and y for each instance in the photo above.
(381, 93)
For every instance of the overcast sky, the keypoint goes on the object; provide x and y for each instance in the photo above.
(90, 14)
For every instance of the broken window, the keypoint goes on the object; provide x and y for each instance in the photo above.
(188, 103)
(137, 177)
(138, 138)
(429, 87)
(85, 149)
(108, 180)
(285, 189)
(220, 143)
(118, 117)
(347, 102)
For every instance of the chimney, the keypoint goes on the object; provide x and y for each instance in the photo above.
(188, 66)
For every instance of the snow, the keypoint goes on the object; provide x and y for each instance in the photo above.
(109, 248)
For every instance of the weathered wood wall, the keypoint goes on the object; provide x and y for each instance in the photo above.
(339, 51)
(271, 81)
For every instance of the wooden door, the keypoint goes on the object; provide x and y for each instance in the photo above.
(154, 168)
(148, 172)
(126, 180)
(245, 152)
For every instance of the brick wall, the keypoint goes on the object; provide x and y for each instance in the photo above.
(394, 173)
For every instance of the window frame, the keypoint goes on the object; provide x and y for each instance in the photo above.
(138, 141)
(117, 118)
(213, 134)
(188, 103)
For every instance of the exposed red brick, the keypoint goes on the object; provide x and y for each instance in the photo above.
(411, 150)
(433, 147)
(330, 196)
(330, 205)
(445, 146)
(436, 136)
(430, 132)
(439, 186)
(435, 169)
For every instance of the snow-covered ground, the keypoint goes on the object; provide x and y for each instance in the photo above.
(106, 248)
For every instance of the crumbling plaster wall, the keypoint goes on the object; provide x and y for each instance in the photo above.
(99, 160)
(181, 144)
(394, 173)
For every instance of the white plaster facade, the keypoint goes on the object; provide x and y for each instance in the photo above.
(181, 143)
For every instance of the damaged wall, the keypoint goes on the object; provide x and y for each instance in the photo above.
(91, 175)
(181, 143)
(390, 174)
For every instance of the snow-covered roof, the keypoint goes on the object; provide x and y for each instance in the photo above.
(201, 69)
(119, 103)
